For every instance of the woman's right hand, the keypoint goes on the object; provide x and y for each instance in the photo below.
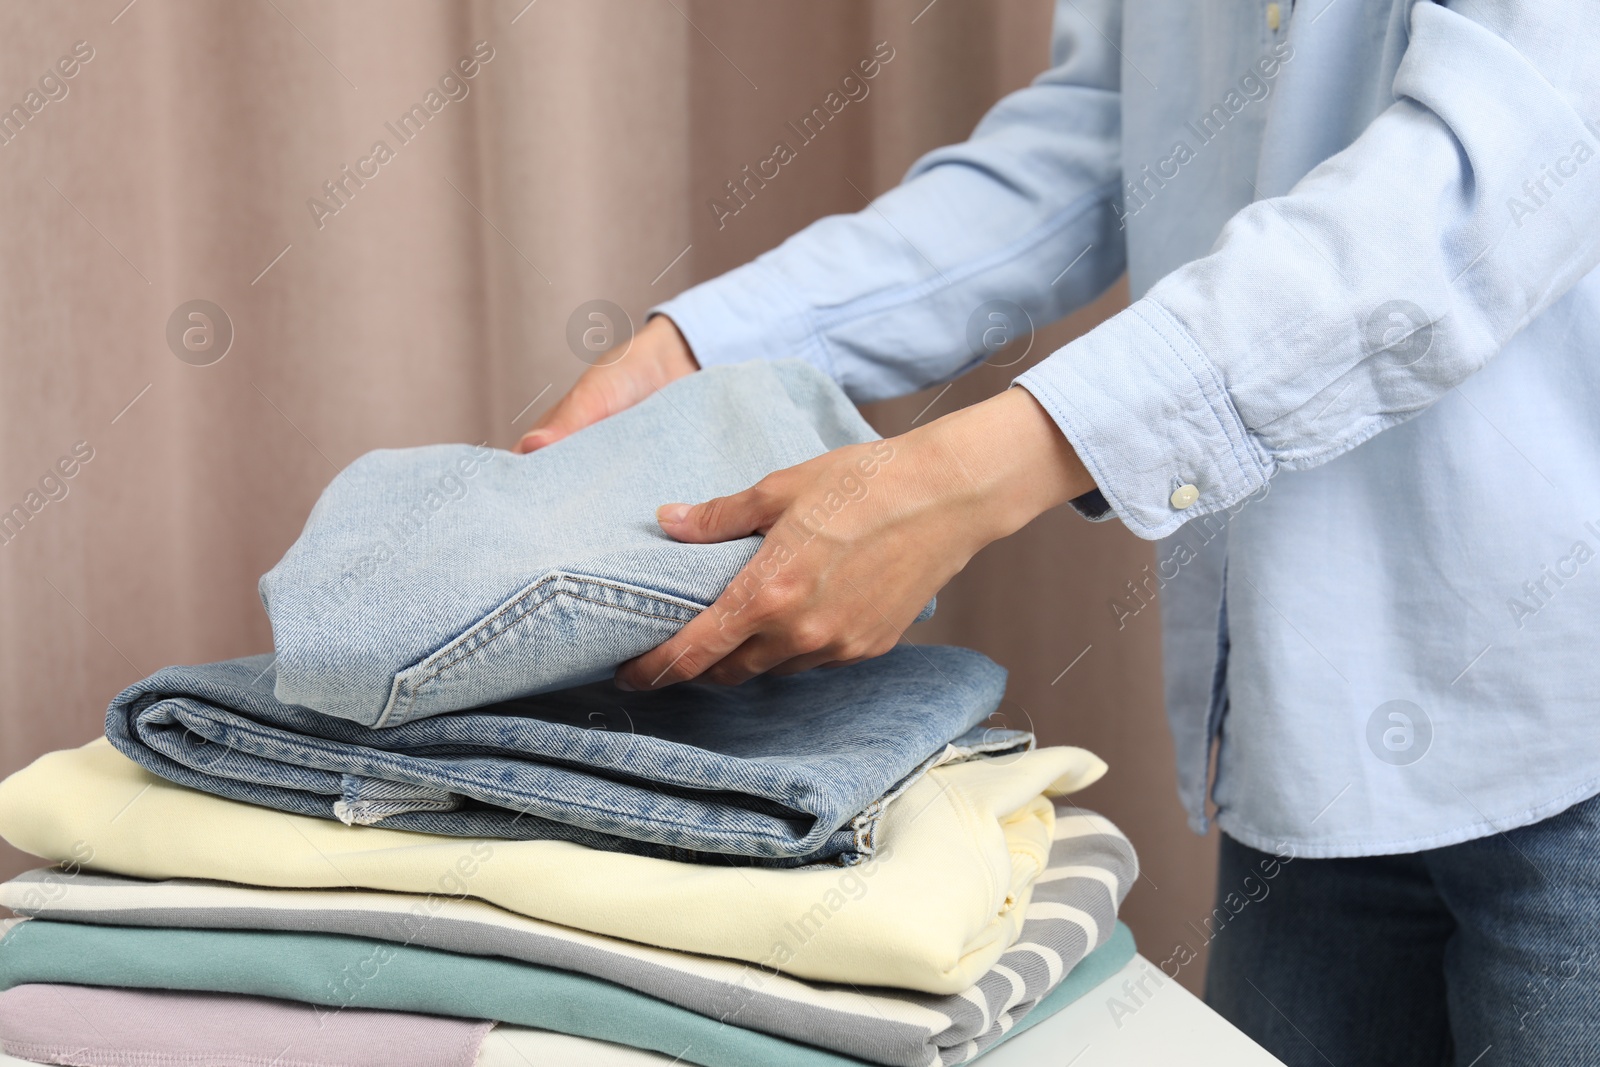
(658, 355)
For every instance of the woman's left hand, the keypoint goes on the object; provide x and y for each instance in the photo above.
(859, 539)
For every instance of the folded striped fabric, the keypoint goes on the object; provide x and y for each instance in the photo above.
(333, 972)
(1072, 911)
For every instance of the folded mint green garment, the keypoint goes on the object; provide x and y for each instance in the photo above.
(339, 972)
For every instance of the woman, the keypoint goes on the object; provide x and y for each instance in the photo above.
(1362, 236)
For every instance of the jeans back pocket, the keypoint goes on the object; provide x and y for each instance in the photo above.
(561, 630)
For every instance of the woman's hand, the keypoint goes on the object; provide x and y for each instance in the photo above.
(658, 355)
(859, 539)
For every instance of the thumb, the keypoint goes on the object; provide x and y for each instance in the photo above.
(567, 418)
(534, 440)
(723, 518)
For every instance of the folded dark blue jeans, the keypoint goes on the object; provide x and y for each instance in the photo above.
(777, 771)
(429, 580)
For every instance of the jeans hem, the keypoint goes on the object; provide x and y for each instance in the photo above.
(865, 825)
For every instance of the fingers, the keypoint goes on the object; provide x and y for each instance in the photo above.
(686, 655)
(540, 436)
(789, 610)
(532, 441)
(656, 356)
(722, 641)
(707, 662)
(762, 653)
(811, 661)
(756, 656)
(745, 634)
(566, 418)
(725, 518)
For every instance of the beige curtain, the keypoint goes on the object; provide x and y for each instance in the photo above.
(163, 152)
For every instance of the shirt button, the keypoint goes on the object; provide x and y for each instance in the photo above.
(1184, 495)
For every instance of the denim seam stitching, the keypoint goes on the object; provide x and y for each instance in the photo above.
(416, 688)
(464, 653)
(454, 780)
(405, 702)
(652, 821)
(330, 746)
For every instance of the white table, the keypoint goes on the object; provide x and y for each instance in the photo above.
(1139, 1017)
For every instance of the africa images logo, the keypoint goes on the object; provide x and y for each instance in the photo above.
(1399, 732)
(1252, 87)
(453, 86)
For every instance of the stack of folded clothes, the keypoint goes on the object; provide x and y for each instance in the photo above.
(428, 814)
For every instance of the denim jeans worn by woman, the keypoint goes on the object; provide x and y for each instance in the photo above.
(1479, 953)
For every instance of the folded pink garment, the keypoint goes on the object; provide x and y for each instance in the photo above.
(91, 1026)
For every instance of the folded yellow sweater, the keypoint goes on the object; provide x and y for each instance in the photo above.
(960, 851)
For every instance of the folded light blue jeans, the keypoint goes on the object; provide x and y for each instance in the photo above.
(429, 580)
(777, 771)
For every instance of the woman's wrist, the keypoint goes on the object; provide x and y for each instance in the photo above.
(1011, 461)
(666, 349)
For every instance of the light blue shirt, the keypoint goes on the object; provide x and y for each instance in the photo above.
(1357, 394)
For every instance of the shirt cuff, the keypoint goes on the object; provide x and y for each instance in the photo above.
(746, 314)
(1150, 418)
